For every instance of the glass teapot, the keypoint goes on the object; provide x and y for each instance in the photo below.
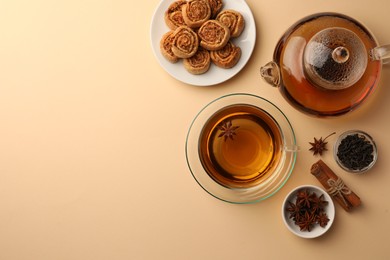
(326, 64)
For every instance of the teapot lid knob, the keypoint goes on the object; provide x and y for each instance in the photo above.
(335, 58)
(340, 54)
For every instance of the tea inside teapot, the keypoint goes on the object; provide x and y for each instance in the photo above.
(326, 64)
(335, 58)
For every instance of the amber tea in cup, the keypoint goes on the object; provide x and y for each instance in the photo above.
(240, 146)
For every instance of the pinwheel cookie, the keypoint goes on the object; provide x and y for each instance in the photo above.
(227, 57)
(216, 6)
(173, 15)
(185, 43)
(233, 20)
(166, 47)
(213, 35)
(196, 12)
(199, 63)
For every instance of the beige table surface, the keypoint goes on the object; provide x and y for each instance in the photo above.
(92, 135)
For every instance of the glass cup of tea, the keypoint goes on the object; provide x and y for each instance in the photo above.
(241, 148)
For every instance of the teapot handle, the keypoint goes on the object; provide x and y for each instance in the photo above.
(381, 53)
(270, 72)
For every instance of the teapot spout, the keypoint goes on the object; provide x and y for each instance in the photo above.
(271, 73)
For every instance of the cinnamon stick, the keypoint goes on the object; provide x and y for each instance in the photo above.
(335, 186)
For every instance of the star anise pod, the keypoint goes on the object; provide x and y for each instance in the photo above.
(294, 210)
(228, 130)
(306, 222)
(319, 203)
(322, 219)
(319, 145)
(304, 198)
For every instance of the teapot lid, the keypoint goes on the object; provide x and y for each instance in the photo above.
(335, 58)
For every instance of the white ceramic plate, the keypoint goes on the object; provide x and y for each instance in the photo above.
(317, 229)
(215, 75)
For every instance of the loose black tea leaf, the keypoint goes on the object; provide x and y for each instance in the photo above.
(355, 152)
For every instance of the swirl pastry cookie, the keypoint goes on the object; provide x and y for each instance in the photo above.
(166, 47)
(233, 20)
(199, 63)
(196, 12)
(213, 35)
(216, 6)
(227, 57)
(173, 15)
(185, 43)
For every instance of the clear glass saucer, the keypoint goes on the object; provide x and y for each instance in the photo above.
(262, 190)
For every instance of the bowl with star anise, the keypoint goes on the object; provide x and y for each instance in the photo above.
(241, 148)
(308, 211)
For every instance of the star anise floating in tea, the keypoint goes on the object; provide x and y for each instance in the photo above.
(307, 210)
(319, 145)
(228, 130)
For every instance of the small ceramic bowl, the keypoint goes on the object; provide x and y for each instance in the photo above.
(366, 137)
(316, 230)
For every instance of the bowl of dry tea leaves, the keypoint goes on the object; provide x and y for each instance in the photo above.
(308, 211)
(355, 151)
